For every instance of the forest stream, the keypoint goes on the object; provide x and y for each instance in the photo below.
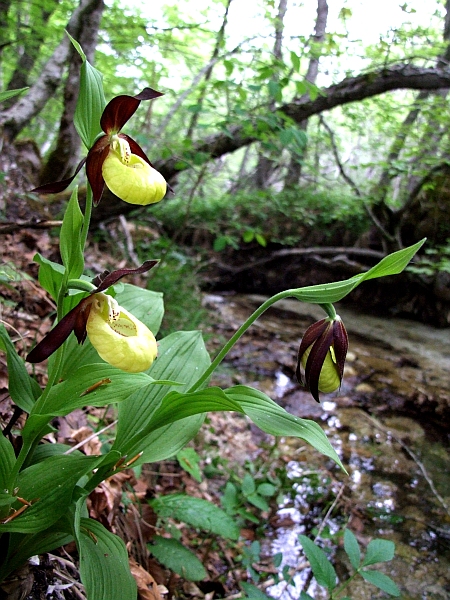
(388, 424)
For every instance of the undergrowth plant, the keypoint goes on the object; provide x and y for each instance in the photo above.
(160, 389)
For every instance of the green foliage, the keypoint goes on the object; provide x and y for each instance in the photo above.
(435, 260)
(265, 216)
(175, 277)
(377, 551)
(176, 557)
(159, 409)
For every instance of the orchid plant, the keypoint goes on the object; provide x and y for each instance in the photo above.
(160, 389)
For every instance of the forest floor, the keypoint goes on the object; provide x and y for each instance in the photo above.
(120, 503)
(228, 449)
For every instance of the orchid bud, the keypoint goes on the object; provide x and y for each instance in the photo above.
(322, 355)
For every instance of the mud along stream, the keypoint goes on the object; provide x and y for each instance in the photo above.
(388, 423)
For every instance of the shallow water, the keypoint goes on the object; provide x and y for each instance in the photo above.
(388, 424)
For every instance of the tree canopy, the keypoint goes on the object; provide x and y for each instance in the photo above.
(276, 98)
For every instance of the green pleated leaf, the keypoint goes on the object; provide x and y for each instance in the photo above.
(23, 389)
(189, 460)
(49, 485)
(7, 462)
(70, 238)
(11, 93)
(182, 357)
(177, 558)
(104, 568)
(352, 549)
(91, 100)
(381, 581)
(76, 356)
(93, 385)
(333, 292)
(271, 418)
(35, 428)
(165, 442)
(378, 551)
(176, 405)
(196, 512)
(321, 567)
(145, 305)
(50, 275)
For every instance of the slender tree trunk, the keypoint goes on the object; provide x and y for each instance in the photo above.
(208, 73)
(386, 219)
(294, 170)
(65, 156)
(266, 165)
(14, 119)
(29, 52)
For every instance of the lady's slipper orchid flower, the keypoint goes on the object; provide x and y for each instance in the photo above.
(322, 355)
(117, 160)
(119, 338)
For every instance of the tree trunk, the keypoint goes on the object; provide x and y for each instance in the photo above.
(266, 165)
(63, 159)
(386, 219)
(14, 119)
(294, 170)
(208, 73)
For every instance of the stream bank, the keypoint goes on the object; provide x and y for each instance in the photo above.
(388, 423)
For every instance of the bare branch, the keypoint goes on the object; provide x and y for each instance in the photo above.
(351, 89)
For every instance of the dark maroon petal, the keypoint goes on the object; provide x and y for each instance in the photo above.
(117, 112)
(315, 362)
(94, 163)
(148, 94)
(313, 332)
(114, 276)
(58, 186)
(55, 338)
(81, 320)
(340, 344)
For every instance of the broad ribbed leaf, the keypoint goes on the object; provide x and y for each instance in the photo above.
(378, 551)
(49, 486)
(271, 418)
(145, 305)
(333, 292)
(70, 245)
(166, 441)
(196, 512)
(182, 357)
(177, 558)
(95, 385)
(91, 100)
(23, 546)
(352, 549)
(176, 405)
(381, 581)
(104, 568)
(23, 389)
(7, 461)
(321, 567)
(11, 93)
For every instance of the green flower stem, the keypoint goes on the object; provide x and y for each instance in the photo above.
(87, 217)
(80, 284)
(242, 329)
(330, 310)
